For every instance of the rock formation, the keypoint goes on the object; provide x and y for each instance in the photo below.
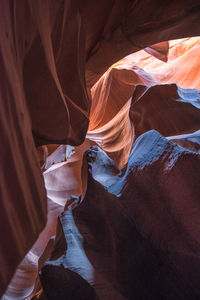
(131, 237)
(72, 77)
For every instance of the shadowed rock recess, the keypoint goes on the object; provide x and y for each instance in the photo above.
(100, 150)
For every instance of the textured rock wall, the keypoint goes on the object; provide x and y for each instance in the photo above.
(46, 48)
(134, 236)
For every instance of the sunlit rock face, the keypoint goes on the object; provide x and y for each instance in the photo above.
(127, 89)
(52, 57)
(182, 67)
(142, 24)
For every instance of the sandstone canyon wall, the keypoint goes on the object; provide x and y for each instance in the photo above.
(74, 73)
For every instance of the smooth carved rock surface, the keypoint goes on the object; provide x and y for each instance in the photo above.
(62, 180)
(22, 193)
(36, 69)
(46, 48)
(143, 24)
(136, 234)
(165, 108)
(181, 68)
(65, 178)
(115, 119)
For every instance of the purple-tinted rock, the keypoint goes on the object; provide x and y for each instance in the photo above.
(166, 108)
